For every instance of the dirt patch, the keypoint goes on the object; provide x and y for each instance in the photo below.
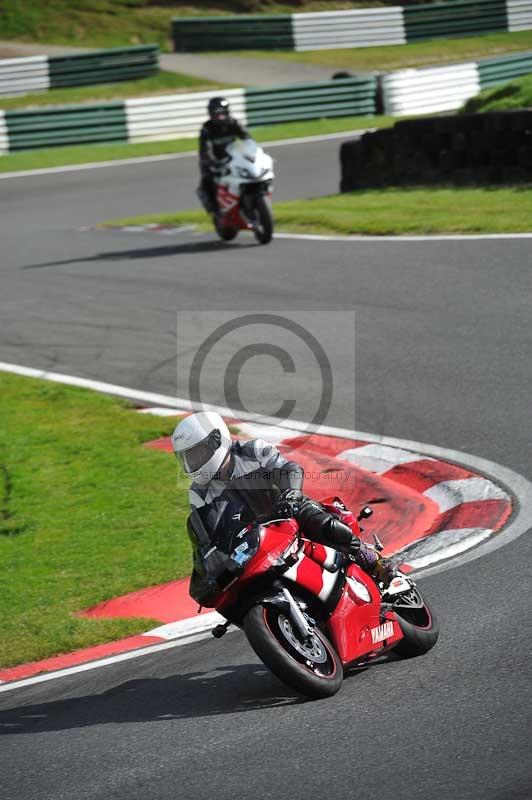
(10, 52)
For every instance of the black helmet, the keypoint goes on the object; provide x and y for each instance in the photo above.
(218, 108)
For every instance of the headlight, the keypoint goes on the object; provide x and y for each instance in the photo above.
(245, 551)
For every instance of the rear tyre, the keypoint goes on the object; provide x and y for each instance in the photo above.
(263, 229)
(312, 669)
(225, 233)
(419, 626)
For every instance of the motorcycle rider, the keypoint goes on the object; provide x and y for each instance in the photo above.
(236, 482)
(216, 133)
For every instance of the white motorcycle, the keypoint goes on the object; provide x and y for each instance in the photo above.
(243, 190)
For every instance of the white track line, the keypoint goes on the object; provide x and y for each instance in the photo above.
(516, 484)
(103, 662)
(326, 137)
(124, 162)
(176, 230)
(450, 237)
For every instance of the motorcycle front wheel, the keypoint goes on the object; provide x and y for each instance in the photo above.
(313, 668)
(263, 229)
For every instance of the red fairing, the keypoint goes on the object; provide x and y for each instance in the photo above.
(309, 574)
(274, 539)
(336, 506)
(355, 625)
(229, 204)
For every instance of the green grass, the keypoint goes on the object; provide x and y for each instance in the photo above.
(390, 211)
(516, 94)
(82, 154)
(418, 54)
(49, 157)
(86, 513)
(164, 82)
(86, 23)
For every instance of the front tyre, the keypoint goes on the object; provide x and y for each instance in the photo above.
(312, 668)
(263, 228)
(418, 623)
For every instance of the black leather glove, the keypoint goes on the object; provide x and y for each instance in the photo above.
(289, 503)
(354, 548)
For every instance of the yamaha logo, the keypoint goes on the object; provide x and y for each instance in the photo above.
(384, 631)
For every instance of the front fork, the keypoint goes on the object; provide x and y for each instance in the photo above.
(245, 210)
(286, 602)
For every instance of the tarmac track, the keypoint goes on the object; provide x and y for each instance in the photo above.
(443, 345)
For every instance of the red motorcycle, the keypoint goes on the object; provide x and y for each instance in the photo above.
(309, 611)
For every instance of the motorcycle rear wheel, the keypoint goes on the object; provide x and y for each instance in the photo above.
(264, 230)
(313, 669)
(420, 629)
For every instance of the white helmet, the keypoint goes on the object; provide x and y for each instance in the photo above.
(201, 442)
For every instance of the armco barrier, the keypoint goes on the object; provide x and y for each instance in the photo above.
(435, 89)
(519, 14)
(426, 91)
(497, 70)
(168, 117)
(352, 28)
(340, 98)
(23, 75)
(103, 66)
(180, 115)
(490, 148)
(456, 18)
(37, 73)
(4, 140)
(358, 28)
(272, 32)
(66, 125)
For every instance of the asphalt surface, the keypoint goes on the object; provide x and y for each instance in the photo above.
(439, 351)
(245, 70)
(226, 68)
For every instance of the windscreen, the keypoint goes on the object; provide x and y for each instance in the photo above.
(223, 520)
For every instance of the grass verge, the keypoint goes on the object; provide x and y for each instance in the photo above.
(163, 82)
(86, 513)
(83, 154)
(417, 54)
(513, 95)
(390, 211)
